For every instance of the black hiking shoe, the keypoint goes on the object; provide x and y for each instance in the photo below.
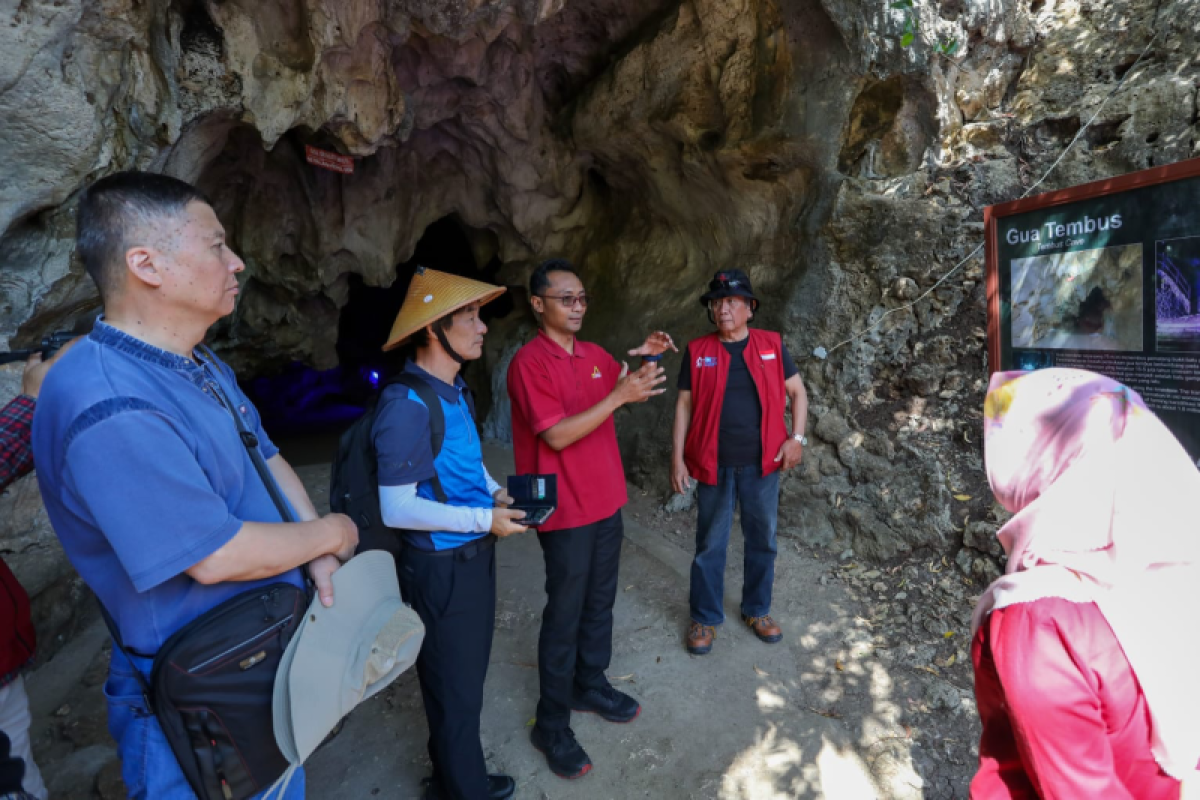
(609, 703)
(500, 787)
(564, 755)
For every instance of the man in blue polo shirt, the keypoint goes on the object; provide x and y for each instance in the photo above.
(144, 475)
(449, 511)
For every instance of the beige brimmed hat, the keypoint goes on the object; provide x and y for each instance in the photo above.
(340, 656)
(431, 296)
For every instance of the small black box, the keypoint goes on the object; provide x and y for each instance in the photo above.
(536, 495)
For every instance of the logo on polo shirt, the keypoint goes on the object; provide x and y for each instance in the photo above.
(596, 372)
(766, 356)
(706, 361)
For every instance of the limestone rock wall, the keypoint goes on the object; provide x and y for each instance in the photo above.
(652, 142)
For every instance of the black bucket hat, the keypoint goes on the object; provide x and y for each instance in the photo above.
(729, 283)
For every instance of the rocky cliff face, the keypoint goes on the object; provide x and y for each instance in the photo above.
(651, 142)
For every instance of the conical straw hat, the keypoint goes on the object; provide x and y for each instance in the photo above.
(431, 296)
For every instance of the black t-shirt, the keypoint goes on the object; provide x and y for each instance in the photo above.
(739, 440)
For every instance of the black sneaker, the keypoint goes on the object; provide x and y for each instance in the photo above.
(564, 755)
(500, 787)
(614, 706)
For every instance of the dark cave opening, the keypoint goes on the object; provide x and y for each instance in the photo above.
(366, 319)
(1090, 317)
(307, 408)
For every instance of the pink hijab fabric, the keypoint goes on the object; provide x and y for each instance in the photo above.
(1106, 508)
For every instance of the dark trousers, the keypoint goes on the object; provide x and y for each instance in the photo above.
(758, 496)
(455, 596)
(12, 768)
(575, 645)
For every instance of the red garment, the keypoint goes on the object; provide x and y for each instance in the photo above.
(1063, 715)
(546, 385)
(710, 372)
(17, 638)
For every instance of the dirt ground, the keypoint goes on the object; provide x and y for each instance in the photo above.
(868, 695)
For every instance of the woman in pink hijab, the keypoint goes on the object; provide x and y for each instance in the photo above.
(1087, 652)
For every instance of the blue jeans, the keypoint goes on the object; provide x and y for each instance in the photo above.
(148, 766)
(758, 496)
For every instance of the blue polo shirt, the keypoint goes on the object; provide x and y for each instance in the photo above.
(405, 453)
(144, 475)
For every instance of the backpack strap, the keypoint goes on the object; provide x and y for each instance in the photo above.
(437, 422)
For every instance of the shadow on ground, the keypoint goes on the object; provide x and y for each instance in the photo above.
(833, 711)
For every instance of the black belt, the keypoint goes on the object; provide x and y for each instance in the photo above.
(464, 552)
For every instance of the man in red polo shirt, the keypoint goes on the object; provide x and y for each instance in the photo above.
(564, 392)
(731, 436)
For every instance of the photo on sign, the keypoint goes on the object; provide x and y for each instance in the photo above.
(1082, 300)
(1177, 294)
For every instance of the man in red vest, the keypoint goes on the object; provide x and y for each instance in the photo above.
(732, 437)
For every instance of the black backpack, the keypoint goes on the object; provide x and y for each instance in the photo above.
(354, 482)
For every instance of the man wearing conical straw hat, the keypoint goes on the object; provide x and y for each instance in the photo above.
(448, 565)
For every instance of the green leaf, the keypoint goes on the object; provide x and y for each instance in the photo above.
(906, 39)
(946, 47)
(902, 4)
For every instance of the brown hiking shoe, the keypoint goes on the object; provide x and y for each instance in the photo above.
(700, 638)
(764, 628)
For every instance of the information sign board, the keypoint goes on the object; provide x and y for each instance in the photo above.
(1104, 277)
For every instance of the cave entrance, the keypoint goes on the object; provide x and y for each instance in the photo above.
(1092, 313)
(310, 408)
(366, 319)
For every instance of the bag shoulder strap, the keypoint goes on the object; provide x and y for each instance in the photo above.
(251, 443)
(147, 695)
(437, 422)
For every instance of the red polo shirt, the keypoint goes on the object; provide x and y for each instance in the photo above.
(546, 384)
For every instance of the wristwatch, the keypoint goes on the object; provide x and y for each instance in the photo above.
(801, 438)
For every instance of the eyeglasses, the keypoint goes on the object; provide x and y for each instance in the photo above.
(568, 300)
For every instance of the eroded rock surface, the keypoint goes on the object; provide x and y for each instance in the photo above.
(652, 143)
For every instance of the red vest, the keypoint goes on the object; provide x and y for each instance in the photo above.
(710, 373)
(16, 629)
